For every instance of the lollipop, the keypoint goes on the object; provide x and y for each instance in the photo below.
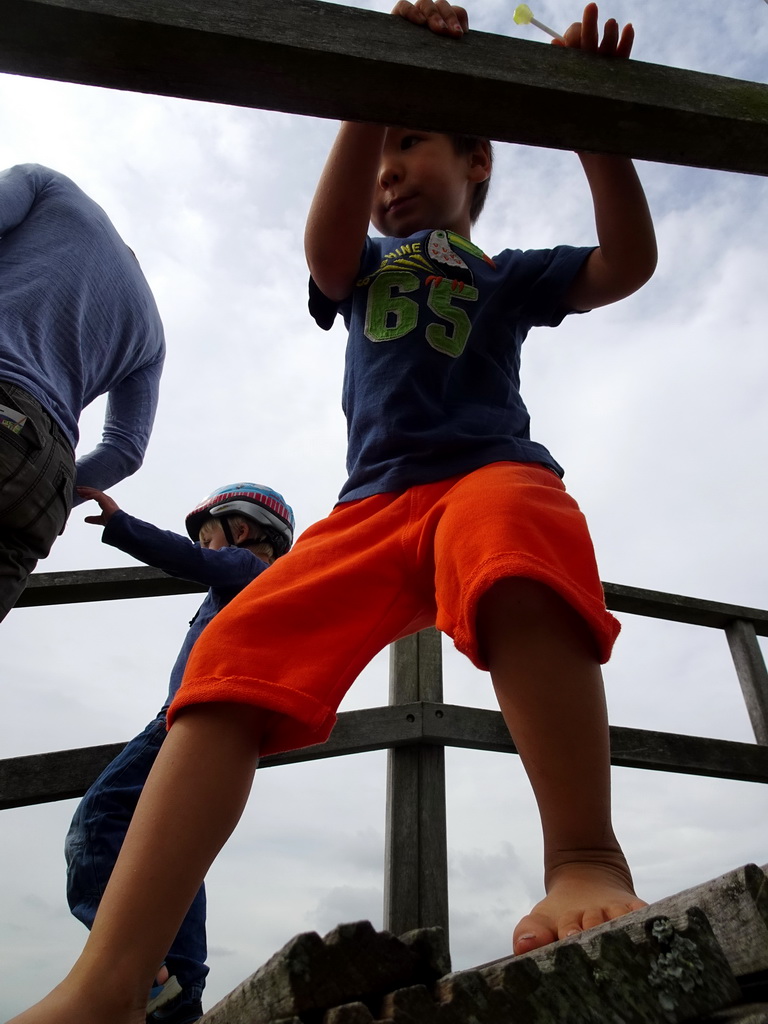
(524, 16)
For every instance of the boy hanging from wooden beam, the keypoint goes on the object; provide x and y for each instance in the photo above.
(451, 515)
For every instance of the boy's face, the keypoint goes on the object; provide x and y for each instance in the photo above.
(424, 183)
(212, 536)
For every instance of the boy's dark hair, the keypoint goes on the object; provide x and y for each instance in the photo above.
(468, 144)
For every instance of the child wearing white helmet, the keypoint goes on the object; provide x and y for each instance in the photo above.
(236, 533)
(253, 503)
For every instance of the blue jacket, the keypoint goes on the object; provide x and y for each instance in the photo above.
(225, 572)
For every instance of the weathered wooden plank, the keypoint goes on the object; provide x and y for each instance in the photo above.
(416, 668)
(691, 755)
(416, 863)
(47, 588)
(677, 608)
(416, 857)
(402, 880)
(735, 904)
(478, 729)
(357, 732)
(752, 673)
(138, 581)
(310, 975)
(752, 1013)
(350, 1013)
(669, 971)
(315, 58)
(60, 775)
(63, 774)
(657, 969)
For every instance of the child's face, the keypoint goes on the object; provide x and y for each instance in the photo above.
(423, 183)
(211, 536)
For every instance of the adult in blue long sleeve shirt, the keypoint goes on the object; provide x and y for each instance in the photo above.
(239, 530)
(77, 320)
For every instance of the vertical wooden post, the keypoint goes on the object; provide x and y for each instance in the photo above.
(752, 673)
(416, 869)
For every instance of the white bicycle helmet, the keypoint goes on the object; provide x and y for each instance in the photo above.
(261, 504)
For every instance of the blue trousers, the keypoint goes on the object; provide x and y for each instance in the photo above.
(94, 840)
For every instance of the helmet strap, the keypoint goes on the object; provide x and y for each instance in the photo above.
(227, 531)
(271, 537)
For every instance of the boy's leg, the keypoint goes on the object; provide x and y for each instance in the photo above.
(547, 678)
(201, 779)
(192, 801)
(519, 591)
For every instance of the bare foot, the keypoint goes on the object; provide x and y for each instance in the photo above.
(579, 896)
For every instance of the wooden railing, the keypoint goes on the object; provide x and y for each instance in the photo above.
(416, 727)
(309, 57)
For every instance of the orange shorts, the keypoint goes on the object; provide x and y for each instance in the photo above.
(378, 569)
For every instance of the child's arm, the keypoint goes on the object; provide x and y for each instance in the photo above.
(337, 224)
(176, 555)
(626, 255)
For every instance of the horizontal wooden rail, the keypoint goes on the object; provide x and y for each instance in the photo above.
(309, 57)
(478, 729)
(676, 608)
(48, 588)
(82, 585)
(63, 774)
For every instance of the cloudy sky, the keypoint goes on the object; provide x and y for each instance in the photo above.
(655, 407)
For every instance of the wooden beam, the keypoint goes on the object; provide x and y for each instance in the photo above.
(752, 673)
(736, 905)
(359, 732)
(309, 57)
(677, 608)
(46, 588)
(478, 729)
(59, 775)
(673, 971)
(314, 979)
(63, 774)
(416, 854)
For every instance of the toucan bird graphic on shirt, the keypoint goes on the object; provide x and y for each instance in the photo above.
(440, 264)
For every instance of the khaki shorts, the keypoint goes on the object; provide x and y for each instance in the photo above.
(378, 569)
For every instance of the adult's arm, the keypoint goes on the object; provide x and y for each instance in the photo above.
(18, 189)
(130, 414)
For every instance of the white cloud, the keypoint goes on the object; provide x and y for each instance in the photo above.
(655, 406)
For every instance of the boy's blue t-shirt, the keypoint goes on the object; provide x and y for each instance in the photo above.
(432, 376)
